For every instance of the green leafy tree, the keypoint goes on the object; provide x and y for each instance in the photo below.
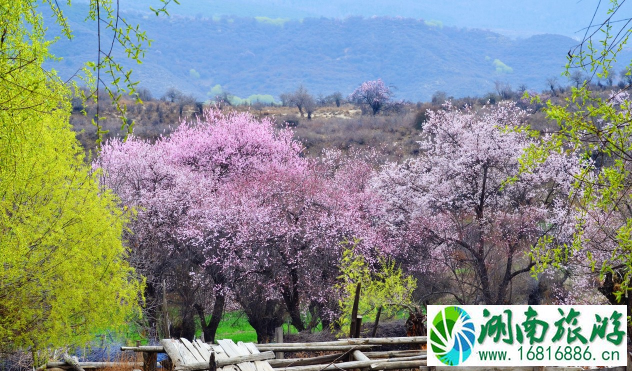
(596, 125)
(63, 268)
(385, 287)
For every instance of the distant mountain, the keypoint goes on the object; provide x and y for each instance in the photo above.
(270, 56)
(513, 18)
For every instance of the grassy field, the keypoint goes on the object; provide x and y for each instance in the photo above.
(235, 326)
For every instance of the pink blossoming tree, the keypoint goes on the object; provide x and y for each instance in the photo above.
(228, 206)
(455, 213)
(374, 95)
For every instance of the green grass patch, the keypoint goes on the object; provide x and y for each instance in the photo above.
(235, 326)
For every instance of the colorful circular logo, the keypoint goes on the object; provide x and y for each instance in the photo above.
(452, 336)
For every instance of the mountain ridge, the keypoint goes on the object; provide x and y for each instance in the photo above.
(248, 56)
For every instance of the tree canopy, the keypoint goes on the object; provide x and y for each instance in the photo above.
(597, 126)
(64, 273)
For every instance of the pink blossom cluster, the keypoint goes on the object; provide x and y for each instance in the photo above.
(466, 209)
(256, 213)
(234, 200)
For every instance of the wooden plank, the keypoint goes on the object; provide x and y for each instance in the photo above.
(230, 348)
(246, 366)
(239, 361)
(193, 350)
(203, 349)
(172, 349)
(329, 348)
(187, 357)
(219, 352)
(253, 348)
(244, 348)
(228, 368)
(247, 358)
(263, 366)
(245, 352)
(72, 362)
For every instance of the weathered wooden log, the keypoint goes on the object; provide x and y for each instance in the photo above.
(227, 361)
(72, 362)
(173, 351)
(302, 345)
(398, 365)
(92, 365)
(145, 348)
(286, 347)
(380, 365)
(276, 363)
(359, 356)
(394, 354)
(370, 341)
(384, 341)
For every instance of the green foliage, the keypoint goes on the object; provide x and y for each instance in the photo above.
(591, 124)
(387, 287)
(194, 74)
(263, 98)
(273, 21)
(434, 23)
(64, 273)
(215, 91)
(107, 75)
(501, 67)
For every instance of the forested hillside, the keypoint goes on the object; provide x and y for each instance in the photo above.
(529, 18)
(247, 56)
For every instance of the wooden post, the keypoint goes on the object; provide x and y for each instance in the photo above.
(139, 356)
(358, 326)
(149, 361)
(377, 321)
(278, 338)
(166, 333)
(211, 363)
(354, 310)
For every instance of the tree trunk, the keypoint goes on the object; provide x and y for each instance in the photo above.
(210, 328)
(292, 302)
(266, 321)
